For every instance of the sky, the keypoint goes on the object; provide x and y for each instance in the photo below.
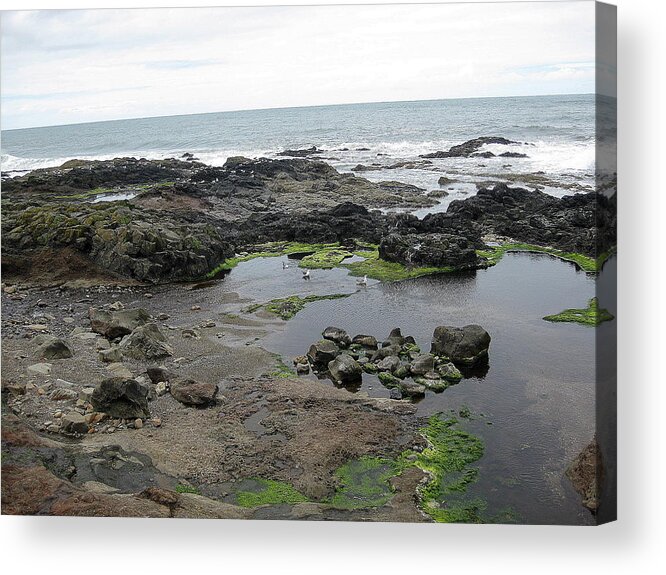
(65, 67)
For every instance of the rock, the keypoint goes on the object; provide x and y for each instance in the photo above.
(432, 383)
(156, 422)
(463, 346)
(102, 343)
(40, 368)
(344, 369)
(422, 364)
(121, 398)
(158, 373)
(73, 423)
(586, 474)
(395, 393)
(441, 250)
(116, 306)
(161, 388)
(300, 359)
(302, 368)
(119, 370)
(37, 327)
(411, 388)
(146, 342)
(116, 324)
(86, 394)
(14, 388)
(191, 392)
(302, 153)
(52, 348)
(469, 148)
(63, 394)
(138, 423)
(111, 355)
(368, 341)
(337, 335)
(390, 363)
(449, 372)
(322, 352)
(381, 353)
(402, 371)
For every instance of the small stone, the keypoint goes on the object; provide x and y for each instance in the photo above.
(148, 295)
(10, 289)
(195, 308)
(156, 422)
(37, 327)
(40, 369)
(207, 323)
(138, 423)
(190, 333)
(161, 388)
(102, 343)
(119, 370)
(63, 394)
(116, 306)
(163, 316)
(86, 393)
(74, 422)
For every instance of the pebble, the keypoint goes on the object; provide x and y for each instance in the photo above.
(161, 388)
(148, 295)
(163, 316)
(40, 368)
(37, 327)
(195, 308)
(156, 421)
(207, 323)
(138, 424)
(10, 289)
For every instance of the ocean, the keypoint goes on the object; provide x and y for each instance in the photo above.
(556, 132)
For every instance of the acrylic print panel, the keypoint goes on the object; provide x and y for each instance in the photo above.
(334, 263)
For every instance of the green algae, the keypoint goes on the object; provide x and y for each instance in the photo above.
(272, 493)
(375, 267)
(282, 370)
(588, 264)
(364, 483)
(325, 259)
(448, 460)
(591, 315)
(181, 488)
(287, 307)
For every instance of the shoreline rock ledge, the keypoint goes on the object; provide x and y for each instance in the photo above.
(462, 345)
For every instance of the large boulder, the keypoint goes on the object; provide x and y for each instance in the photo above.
(50, 347)
(73, 422)
(441, 250)
(322, 352)
(462, 345)
(192, 392)
(422, 364)
(121, 398)
(390, 363)
(344, 369)
(146, 342)
(369, 341)
(337, 335)
(114, 324)
(386, 351)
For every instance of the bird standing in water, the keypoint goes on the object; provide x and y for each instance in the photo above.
(363, 282)
(306, 275)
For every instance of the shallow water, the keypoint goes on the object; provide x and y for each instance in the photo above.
(537, 398)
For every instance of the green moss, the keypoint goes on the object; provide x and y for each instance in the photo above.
(586, 263)
(288, 307)
(325, 259)
(272, 493)
(180, 488)
(283, 370)
(364, 483)
(448, 459)
(591, 315)
(379, 269)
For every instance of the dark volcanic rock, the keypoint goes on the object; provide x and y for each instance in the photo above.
(158, 373)
(146, 342)
(51, 347)
(322, 352)
(369, 341)
(467, 149)
(429, 250)
(191, 392)
(583, 223)
(122, 398)
(586, 474)
(116, 324)
(462, 345)
(337, 335)
(302, 153)
(344, 369)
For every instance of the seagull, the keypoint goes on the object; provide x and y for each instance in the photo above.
(363, 282)
(306, 275)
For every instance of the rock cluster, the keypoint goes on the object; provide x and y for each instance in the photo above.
(399, 363)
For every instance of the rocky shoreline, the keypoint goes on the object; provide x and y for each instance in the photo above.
(123, 396)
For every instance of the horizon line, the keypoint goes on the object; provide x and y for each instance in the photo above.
(294, 108)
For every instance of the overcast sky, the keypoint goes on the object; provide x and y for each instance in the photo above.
(64, 67)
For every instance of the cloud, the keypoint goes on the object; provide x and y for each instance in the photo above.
(88, 65)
